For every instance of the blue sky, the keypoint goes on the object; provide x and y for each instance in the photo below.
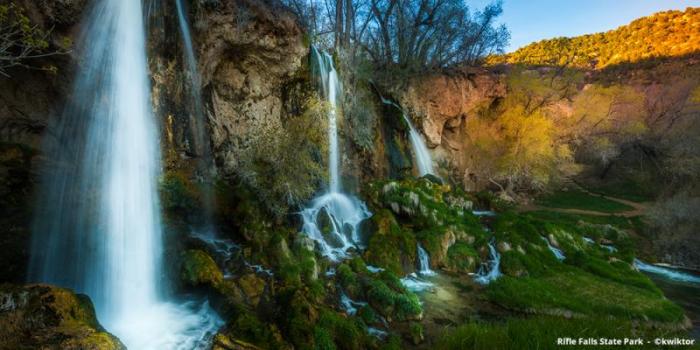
(533, 20)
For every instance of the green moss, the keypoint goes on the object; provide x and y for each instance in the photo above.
(47, 317)
(461, 257)
(335, 331)
(323, 340)
(177, 194)
(391, 299)
(198, 268)
(390, 246)
(416, 331)
(246, 326)
(348, 280)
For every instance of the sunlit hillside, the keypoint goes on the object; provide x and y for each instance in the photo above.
(670, 33)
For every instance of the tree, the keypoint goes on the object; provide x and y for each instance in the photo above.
(409, 34)
(20, 40)
(518, 147)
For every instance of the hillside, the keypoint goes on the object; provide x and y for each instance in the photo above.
(664, 34)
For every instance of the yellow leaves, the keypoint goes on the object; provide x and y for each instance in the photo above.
(695, 95)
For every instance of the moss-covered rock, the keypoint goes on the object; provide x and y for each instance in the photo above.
(198, 268)
(461, 257)
(391, 246)
(47, 317)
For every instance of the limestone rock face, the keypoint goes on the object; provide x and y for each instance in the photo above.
(442, 100)
(248, 51)
(47, 317)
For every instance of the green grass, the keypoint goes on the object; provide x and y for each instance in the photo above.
(622, 222)
(575, 199)
(629, 190)
(584, 294)
(541, 333)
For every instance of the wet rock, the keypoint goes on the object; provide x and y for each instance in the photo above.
(222, 342)
(253, 287)
(504, 247)
(248, 50)
(441, 100)
(198, 268)
(47, 317)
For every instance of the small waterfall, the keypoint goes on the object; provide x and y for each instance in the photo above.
(489, 271)
(556, 251)
(424, 161)
(348, 305)
(666, 272)
(424, 262)
(415, 284)
(198, 120)
(97, 226)
(342, 212)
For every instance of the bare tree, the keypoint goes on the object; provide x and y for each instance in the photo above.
(409, 34)
(20, 40)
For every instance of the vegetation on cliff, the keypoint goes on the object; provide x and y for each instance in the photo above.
(662, 35)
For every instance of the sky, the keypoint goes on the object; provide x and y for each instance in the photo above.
(534, 20)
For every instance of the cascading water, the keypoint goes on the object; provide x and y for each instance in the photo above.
(489, 271)
(97, 227)
(556, 251)
(198, 121)
(424, 161)
(424, 262)
(666, 272)
(344, 212)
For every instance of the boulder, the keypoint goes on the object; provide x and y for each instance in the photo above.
(47, 317)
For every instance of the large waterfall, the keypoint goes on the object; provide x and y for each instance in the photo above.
(344, 212)
(424, 162)
(97, 227)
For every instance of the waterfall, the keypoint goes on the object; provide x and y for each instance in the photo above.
(331, 87)
(556, 251)
(348, 305)
(424, 161)
(197, 119)
(97, 227)
(424, 262)
(666, 272)
(342, 213)
(489, 271)
(415, 284)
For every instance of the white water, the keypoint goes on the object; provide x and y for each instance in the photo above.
(342, 212)
(483, 213)
(100, 231)
(424, 262)
(556, 251)
(609, 248)
(415, 284)
(489, 271)
(424, 161)
(348, 305)
(666, 272)
(374, 269)
(377, 333)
